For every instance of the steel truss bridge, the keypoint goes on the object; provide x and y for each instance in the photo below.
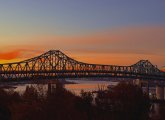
(55, 64)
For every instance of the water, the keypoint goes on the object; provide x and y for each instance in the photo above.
(86, 85)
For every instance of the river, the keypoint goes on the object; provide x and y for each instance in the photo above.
(86, 85)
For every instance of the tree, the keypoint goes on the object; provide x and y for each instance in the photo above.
(125, 101)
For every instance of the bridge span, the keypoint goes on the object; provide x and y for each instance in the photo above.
(55, 64)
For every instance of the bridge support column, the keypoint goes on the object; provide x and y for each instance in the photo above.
(137, 82)
(49, 88)
(160, 92)
(143, 84)
(52, 86)
(164, 92)
(147, 88)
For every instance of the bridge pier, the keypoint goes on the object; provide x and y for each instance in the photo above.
(160, 92)
(142, 83)
(52, 86)
(147, 88)
(159, 89)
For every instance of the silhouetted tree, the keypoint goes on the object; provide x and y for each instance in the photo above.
(125, 101)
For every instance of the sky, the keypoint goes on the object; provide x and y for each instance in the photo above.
(118, 32)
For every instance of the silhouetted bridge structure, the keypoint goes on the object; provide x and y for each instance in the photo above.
(55, 64)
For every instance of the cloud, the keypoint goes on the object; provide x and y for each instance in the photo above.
(10, 55)
(133, 39)
(29, 52)
(163, 69)
(120, 46)
(137, 40)
(19, 54)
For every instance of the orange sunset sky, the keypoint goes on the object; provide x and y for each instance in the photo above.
(104, 32)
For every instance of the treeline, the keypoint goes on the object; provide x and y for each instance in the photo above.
(123, 102)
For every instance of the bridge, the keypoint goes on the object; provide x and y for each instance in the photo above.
(55, 64)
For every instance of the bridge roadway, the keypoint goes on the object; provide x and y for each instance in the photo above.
(55, 64)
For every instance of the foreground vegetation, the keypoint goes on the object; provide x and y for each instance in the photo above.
(123, 102)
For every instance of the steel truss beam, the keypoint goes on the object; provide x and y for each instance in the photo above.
(55, 64)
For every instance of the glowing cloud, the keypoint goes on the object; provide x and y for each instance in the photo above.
(18, 55)
(163, 69)
(122, 46)
(10, 55)
(137, 40)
